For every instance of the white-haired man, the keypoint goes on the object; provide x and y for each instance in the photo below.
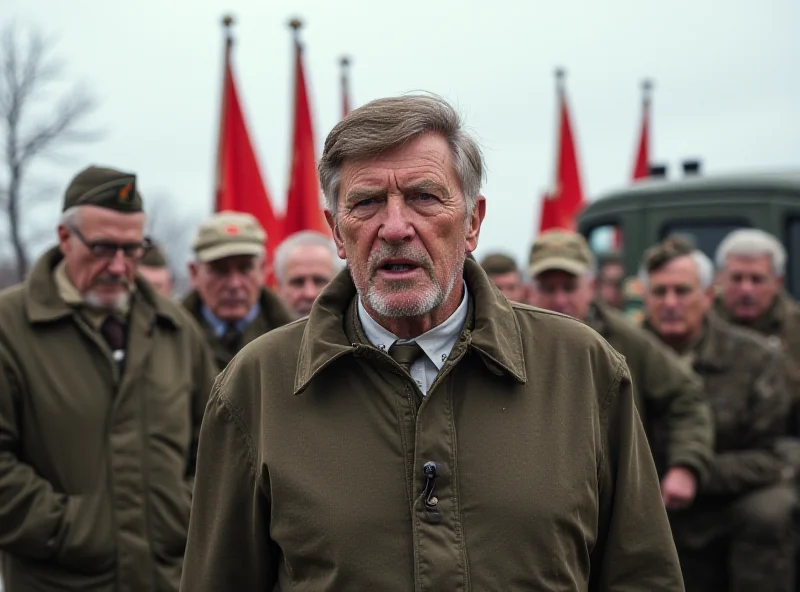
(738, 533)
(751, 266)
(305, 263)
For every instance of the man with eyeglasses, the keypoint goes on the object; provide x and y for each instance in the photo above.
(229, 299)
(103, 384)
(669, 396)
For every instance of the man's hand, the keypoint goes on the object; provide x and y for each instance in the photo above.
(678, 488)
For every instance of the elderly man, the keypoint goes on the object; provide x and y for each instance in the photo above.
(737, 535)
(669, 396)
(751, 268)
(305, 263)
(418, 431)
(229, 299)
(153, 268)
(505, 274)
(103, 384)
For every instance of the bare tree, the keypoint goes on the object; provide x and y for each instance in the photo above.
(27, 74)
(173, 229)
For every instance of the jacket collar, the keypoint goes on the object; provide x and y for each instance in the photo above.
(495, 333)
(43, 303)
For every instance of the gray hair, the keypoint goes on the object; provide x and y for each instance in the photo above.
(302, 238)
(704, 265)
(384, 124)
(749, 243)
(69, 217)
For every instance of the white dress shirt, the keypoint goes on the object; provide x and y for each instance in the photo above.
(436, 343)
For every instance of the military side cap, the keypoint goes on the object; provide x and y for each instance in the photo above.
(563, 250)
(106, 188)
(153, 257)
(226, 234)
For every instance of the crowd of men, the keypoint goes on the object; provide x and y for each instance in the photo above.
(418, 421)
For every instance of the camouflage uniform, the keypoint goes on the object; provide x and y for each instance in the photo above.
(781, 325)
(737, 535)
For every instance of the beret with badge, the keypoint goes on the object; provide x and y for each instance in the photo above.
(105, 188)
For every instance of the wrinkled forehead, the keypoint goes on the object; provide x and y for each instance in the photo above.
(426, 158)
(755, 262)
(680, 271)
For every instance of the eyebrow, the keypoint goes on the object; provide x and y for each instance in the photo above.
(423, 186)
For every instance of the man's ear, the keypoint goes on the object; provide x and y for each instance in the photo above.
(337, 235)
(475, 221)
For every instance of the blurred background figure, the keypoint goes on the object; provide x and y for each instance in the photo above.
(229, 299)
(503, 271)
(610, 279)
(305, 263)
(751, 267)
(154, 268)
(739, 532)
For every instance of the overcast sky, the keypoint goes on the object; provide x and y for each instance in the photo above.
(727, 85)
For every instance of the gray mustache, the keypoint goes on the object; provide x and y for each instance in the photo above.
(388, 252)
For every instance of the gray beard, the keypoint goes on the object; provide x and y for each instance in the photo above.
(120, 302)
(431, 299)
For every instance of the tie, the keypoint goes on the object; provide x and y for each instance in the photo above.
(230, 339)
(113, 330)
(406, 354)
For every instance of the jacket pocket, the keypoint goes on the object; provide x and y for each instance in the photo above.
(87, 541)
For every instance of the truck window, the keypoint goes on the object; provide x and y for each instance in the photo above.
(706, 234)
(793, 261)
(605, 238)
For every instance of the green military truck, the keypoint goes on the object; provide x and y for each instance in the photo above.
(704, 208)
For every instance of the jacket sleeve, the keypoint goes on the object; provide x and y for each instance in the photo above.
(634, 550)
(757, 463)
(228, 546)
(675, 392)
(31, 513)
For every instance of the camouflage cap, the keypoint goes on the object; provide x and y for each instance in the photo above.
(226, 234)
(153, 257)
(561, 249)
(103, 187)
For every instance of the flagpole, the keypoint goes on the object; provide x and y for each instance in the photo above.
(227, 24)
(344, 62)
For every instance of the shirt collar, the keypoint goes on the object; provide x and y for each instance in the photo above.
(218, 325)
(436, 343)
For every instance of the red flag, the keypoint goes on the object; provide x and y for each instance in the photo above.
(239, 184)
(561, 207)
(303, 208)
(345, 62)
(641, 167)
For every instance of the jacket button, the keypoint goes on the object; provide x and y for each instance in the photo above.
(433, 501)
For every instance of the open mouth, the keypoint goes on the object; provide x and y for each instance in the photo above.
(396, 267)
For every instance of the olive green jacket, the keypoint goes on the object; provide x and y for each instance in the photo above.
(669, 395)
(313, 467)
(273, 314)
(781, 325)
(745, 386)
(96, 468)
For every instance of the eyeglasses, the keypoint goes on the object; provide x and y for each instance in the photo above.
(108, 250)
